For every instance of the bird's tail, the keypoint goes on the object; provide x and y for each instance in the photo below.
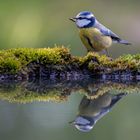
(124, 42)
(116, 98)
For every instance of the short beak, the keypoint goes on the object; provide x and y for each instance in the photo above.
(73, 19)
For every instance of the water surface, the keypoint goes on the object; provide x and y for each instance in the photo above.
(43, 109)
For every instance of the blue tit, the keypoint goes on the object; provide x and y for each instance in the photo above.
(92, 110)
(95, 36)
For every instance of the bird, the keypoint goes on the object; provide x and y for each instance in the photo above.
(95, 36)
(92, 110)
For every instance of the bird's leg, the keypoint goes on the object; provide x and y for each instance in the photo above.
(107, 53)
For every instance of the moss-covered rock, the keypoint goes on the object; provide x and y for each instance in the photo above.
(57, 62)
(13, 60)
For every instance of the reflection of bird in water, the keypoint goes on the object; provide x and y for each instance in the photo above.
(90, 111)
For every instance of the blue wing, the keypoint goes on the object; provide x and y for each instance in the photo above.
(107, 32)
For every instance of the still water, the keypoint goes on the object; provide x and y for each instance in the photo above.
(86, 109)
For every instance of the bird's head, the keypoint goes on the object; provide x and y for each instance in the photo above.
(84, 124)
(84, 19)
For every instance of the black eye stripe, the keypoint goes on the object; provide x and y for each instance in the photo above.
(80, 18)
(83, 18)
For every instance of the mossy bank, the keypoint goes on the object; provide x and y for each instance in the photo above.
(57, 62)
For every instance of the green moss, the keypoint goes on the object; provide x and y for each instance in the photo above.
(9, 65)
(13, 61)
(126, 62)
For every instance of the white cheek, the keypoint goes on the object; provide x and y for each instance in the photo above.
(81, 120)
(82, 23)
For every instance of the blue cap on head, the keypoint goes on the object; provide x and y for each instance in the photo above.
(85, 14)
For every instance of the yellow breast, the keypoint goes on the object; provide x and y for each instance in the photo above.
(94, 40)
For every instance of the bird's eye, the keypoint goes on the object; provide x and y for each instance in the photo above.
(80, 18)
